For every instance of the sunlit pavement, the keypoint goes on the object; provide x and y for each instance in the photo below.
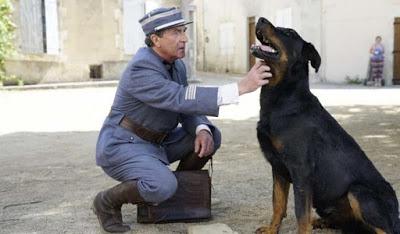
(84, 109)
(49, 178)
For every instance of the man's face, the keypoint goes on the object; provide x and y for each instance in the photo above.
(171, 45)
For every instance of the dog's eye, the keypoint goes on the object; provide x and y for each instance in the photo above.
(291, 31)
(287, 33)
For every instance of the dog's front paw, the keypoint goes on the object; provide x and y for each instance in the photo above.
(320, 223)
(266, 230)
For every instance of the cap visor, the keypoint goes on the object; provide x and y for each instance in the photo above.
(176, 25)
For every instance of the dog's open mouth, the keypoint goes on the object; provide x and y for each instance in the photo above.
(265, 50)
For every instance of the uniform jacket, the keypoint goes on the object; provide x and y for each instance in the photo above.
(149, 95)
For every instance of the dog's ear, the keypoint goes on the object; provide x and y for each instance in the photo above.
(310, 53)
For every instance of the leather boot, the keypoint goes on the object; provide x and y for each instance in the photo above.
(107, 205)
(192, 162)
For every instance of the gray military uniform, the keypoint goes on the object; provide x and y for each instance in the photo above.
(162, 101)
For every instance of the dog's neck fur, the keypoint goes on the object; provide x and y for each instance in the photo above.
(287, 97)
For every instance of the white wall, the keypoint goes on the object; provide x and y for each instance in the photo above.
(217, 14)
(305, 19)
(350, 28)
(342, 31)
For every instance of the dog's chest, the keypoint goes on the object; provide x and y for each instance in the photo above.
(277, 144)
(270, 142)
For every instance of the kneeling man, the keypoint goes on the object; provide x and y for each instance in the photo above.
(157, 119)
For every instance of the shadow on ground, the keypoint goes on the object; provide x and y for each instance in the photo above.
(48, 180)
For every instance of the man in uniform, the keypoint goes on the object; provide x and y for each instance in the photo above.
(157, 119)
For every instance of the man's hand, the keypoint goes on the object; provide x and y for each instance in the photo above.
(256, 77)
(204, 144)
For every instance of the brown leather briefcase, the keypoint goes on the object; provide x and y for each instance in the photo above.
(191, 202)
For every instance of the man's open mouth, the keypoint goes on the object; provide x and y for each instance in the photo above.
(265, 50)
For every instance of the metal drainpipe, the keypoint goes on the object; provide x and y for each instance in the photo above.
(188, 10)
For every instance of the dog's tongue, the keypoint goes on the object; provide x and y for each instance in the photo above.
(267, 48)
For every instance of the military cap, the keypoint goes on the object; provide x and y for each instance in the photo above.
(162, 18)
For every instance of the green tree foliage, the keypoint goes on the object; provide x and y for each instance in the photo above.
(6, 34)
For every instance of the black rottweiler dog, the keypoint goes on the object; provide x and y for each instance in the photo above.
(307, 147)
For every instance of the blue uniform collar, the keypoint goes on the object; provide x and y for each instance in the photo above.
(167, 64)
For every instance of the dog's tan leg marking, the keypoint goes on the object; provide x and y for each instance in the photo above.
(279, 203)
(355, 206)
(379, 231)
(305, 222)
(346, 213)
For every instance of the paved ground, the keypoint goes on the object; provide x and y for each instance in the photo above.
(48, 177)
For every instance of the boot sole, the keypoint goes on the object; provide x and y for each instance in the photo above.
(93, 208)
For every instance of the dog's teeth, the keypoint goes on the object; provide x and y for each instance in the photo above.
(253, 46)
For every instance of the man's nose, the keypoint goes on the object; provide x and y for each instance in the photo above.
(184, 37)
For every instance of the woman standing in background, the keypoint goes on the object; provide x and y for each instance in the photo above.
(377, 61)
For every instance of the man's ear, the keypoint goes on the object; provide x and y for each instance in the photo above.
(155, 39)
(311, 54)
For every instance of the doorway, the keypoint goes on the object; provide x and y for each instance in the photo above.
(252, 39)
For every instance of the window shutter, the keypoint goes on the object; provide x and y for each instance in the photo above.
(31, 26)
(133, 10)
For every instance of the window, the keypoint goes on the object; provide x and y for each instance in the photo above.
(133, 10)
(39, 26)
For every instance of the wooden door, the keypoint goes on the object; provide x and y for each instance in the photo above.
(396, 52)
(252, 38)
